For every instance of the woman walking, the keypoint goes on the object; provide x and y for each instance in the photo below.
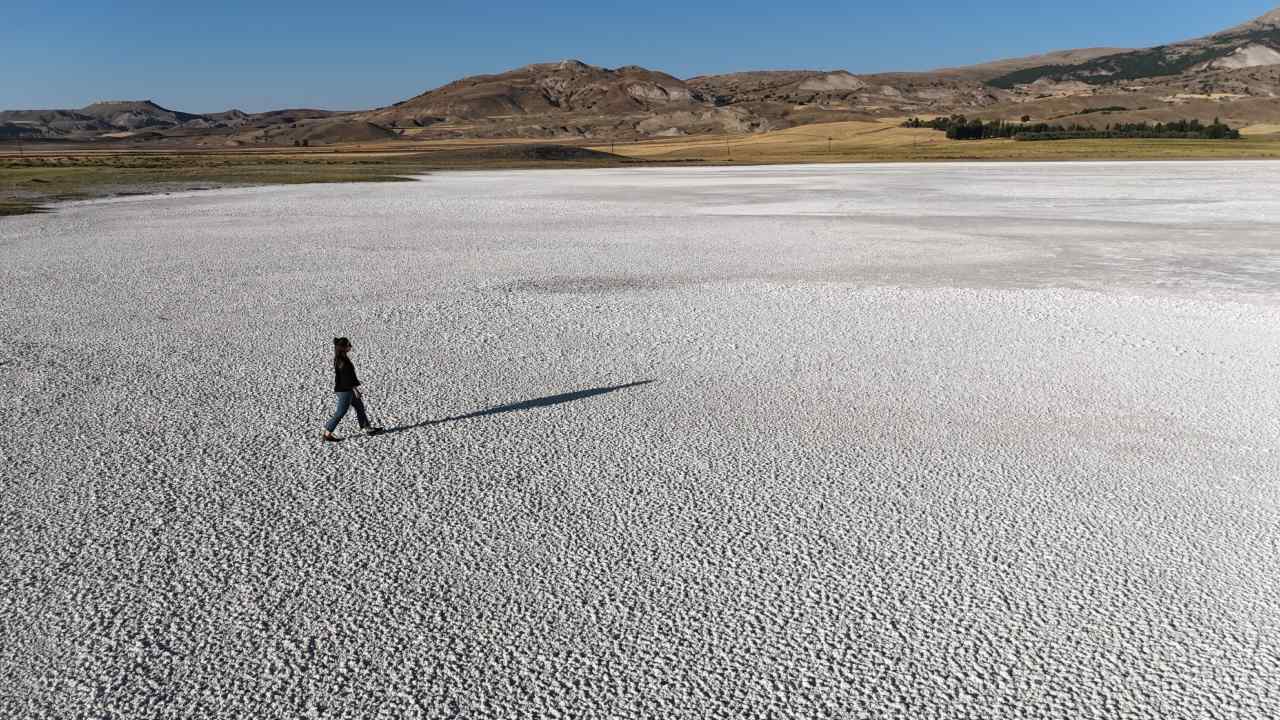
(346, 386)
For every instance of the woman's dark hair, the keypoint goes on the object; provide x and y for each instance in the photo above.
(340, 345)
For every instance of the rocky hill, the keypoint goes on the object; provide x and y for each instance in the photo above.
(563, 99)
(570, 86)
(123, 119)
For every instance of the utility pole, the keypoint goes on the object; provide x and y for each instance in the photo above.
(728, 148)
(829, 146)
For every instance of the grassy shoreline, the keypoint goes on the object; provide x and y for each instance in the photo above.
(36, 182)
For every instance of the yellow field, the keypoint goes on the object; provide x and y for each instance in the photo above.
(1261, 129)
(886, 141)
(810, 143)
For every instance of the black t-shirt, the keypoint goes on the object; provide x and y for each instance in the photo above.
(344, 375)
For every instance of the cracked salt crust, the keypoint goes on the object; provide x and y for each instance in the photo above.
(921, 442)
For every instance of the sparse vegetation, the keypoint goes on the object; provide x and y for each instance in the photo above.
(28, 183)
(1161, 61)
(1156, 62)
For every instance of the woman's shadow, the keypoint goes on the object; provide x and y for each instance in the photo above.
(522, 405)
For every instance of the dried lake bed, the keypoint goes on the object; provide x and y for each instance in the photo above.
(895, 441)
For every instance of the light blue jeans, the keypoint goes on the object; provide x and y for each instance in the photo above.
(346, 400)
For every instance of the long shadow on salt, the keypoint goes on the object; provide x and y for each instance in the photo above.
(523, 405)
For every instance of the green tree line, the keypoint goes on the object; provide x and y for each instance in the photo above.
(958, 127)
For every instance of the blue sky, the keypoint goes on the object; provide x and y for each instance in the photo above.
(209, 56)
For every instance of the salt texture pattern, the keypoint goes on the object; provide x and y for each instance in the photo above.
(962, 441)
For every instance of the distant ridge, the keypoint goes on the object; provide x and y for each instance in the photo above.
(1233, 74)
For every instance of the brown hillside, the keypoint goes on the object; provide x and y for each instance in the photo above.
(566, 87)
(1233, 74)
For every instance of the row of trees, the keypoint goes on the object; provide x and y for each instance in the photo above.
(958, 127)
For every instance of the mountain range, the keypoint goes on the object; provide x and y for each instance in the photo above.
(1233, 74)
